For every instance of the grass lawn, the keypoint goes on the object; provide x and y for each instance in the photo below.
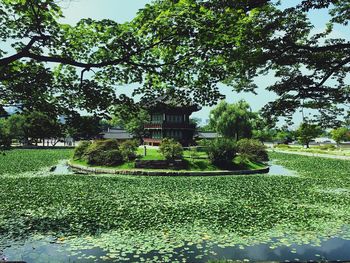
(123, 214)
(153, 154)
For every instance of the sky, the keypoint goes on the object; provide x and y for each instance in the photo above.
(125, 10)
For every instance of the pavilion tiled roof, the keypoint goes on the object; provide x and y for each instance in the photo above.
(172, 101)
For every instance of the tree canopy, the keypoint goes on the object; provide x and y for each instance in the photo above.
(191, 45)
(233, 120)
(306, 132)
(340, 134)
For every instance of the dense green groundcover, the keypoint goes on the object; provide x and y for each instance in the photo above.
(24, 160)
(141, 214)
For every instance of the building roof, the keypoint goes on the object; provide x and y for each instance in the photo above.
(170, 101)
(118, 134)
(324, 140)
(207, 135)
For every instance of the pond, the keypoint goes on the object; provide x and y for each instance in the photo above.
(46, 250)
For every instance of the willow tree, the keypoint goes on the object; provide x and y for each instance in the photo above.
(233, 120)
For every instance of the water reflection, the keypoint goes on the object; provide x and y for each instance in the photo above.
(45, 251)
(61, 168)
(276, 169)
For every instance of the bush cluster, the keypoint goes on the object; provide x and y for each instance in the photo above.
(171, 149)
(221, 151)
(106, 152)
(128, 149)
(79, 151)
(252, 149)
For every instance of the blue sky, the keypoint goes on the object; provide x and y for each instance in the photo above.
(124, 10)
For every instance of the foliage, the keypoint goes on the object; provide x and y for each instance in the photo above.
(196, 122)
(171, 149)
(32, 86)
(284, 135)
(240, 41)
(263, 128)
(264, 135)
(39, 125)
(252, 150)
(221, 151)
(128, 149)
(17, 124)
(99, 211)
(306, 132)
(340, 134)
(245, 39)
(232, 120)
(32, 125)
(105, 158)
(103, 152)
(83, 127)
(5, 135)
(17, 161)
(206, 128)
(80, 150)
(131, 117)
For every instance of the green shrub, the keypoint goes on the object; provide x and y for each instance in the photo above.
(128, 149)
(104, 152)
(171, 149)
(108, 158)
(252, 149)
(102, 145)
(79, 151)
(221, 151)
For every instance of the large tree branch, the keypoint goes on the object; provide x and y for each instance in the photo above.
(333, 47)
(25, 53)
(7, 60)
(333, 70)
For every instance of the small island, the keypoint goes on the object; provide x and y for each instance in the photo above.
(218, 157)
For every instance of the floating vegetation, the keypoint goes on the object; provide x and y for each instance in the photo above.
(19, 161)
(135, 216)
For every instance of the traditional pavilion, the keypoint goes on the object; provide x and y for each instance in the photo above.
(170, 118)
